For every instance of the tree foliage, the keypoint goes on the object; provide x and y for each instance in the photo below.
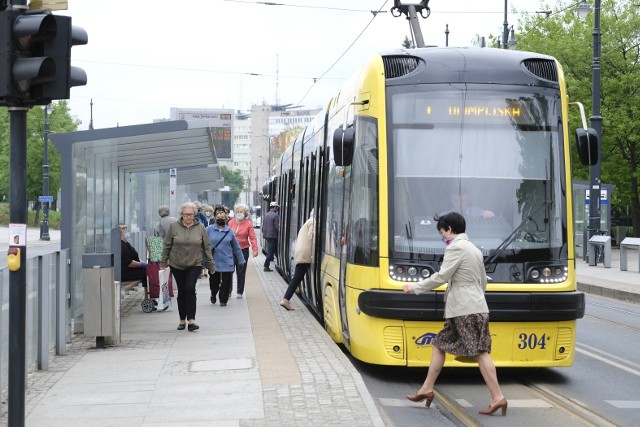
(60, 120)
(407, 43)
(235, 181)
(570, 40)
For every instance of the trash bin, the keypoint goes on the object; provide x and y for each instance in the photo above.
(101, 299)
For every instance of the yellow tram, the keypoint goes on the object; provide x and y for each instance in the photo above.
(416, 133)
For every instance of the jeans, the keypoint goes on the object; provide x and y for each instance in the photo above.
(298, 274)
(241, 271)
(186, 281)
(272, 246)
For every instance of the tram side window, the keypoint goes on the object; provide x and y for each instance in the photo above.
(363, 219)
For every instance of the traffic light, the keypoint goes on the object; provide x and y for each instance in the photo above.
(59, 49)
(35, 57)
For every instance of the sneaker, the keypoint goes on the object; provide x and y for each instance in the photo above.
(213, 299)
(239, 296)
(267, 269)
(287, 305)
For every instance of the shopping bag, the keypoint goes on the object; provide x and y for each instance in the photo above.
(164, 278)
(155, 284)
(154, 248)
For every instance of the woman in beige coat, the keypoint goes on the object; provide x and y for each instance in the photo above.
(302, 257)
(466, 328)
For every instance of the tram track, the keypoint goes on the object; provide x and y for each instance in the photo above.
(566, 404)
(460, 415)
(455, 410)
(612, 322)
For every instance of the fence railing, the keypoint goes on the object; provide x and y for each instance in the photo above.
(47, 309)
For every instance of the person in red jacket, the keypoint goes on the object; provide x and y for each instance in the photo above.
(242, 227)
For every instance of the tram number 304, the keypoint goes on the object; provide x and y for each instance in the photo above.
(532, 341)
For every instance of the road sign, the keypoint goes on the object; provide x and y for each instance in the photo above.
(45, 199)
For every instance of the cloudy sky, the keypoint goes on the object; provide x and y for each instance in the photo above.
(145, 56)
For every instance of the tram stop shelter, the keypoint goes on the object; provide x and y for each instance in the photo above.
(122, 175)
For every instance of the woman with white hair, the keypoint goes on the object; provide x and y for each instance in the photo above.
(183, 249)
(245, 234)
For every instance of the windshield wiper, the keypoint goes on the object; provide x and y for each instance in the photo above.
(409, 232)
(501, 248)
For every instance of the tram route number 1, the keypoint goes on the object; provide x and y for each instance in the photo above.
(532, 341)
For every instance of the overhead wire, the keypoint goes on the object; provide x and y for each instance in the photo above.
(316, 80)
(201, 70)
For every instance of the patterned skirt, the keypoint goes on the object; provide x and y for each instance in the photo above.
(465, 336)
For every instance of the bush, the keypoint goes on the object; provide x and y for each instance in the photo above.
(54, 217)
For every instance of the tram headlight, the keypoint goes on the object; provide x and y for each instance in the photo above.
(409, 273)
(548, 273)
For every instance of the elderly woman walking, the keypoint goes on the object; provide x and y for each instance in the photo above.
(466, 327)
(246, 236)
(226, 253)
(184, 245)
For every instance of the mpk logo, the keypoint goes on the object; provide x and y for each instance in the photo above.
(425, 339)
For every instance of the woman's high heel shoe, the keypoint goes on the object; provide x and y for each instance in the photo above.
(419, 397)
(502, 403)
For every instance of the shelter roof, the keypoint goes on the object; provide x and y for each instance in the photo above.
(154, 146)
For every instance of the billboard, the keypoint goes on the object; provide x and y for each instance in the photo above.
(220, 122)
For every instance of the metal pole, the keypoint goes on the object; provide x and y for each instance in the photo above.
(44, 229)
(18, 278)
(415, 26)
(446, 32)
(596, 124)
(505, 31)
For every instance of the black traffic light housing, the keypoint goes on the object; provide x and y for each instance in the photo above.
(35, 57)
(59, 49)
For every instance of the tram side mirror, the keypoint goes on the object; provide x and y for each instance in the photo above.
(343, 141)
(587, 142)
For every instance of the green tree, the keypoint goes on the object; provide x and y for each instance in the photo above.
(570, 40)
(407, 43)
(60, 121)
(235, 181)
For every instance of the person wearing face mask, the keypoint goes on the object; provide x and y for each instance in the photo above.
(466, 327)
(208, 213)
(245, 234)
(225, 250)
(131, 266)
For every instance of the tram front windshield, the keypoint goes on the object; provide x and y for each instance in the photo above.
(492, 153)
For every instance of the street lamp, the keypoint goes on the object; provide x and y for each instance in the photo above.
(595, 119)
(44, 228)
(508, 37)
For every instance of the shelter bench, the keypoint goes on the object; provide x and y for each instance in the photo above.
(127, 286)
